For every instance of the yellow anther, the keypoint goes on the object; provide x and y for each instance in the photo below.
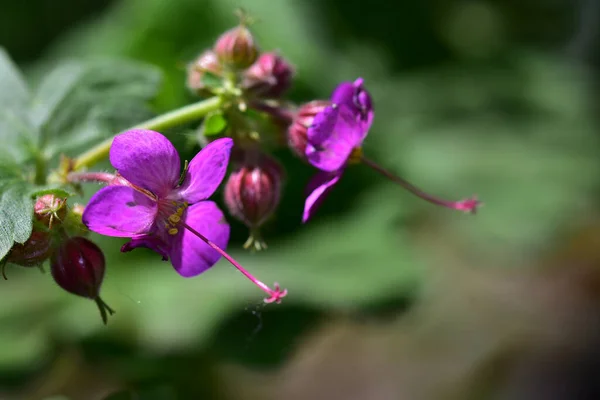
(174, 202)
(174, 218)
(173, 231)
(180, 211)
(356, 156)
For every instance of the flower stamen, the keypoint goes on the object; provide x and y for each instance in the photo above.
(275, 295)
(468, 205)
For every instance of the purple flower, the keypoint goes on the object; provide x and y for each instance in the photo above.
(155, 211)
(334, 141)
(335, 138)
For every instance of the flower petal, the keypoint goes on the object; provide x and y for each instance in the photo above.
(358, 99)
(151, 242)
(332, 137)
(206, 171)
(343, 94)
(146, 159)
(319, 187)
(189, 254)
(119, 211)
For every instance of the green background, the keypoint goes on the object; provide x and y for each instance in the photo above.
(389, 297)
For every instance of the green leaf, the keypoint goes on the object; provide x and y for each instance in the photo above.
(16, 131)
(53, 90)
(211, 80)
(16, 208)
(214, 124)
(13, 89)
(106, 97)
(57, 191)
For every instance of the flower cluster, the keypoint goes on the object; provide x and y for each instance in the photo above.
(151, 201)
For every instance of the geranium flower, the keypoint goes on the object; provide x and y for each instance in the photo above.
(159, 209)
(334, 141)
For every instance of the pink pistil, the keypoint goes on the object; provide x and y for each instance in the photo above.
(275, 295)
(468, 205)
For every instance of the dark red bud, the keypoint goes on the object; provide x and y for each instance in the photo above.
(207, 62)
(78, 267)
(236, 48)
(297, 132)
(50, 210)
(253, 191)
(33, 252)
(270, 76)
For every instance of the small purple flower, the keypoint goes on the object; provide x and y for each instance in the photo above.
(154, 209)
(335, 139)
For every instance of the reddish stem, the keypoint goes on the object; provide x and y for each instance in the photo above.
(275, 295)
(468, 205)
(99, 177)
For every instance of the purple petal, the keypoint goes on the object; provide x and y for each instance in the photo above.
(189, 254)
(206, 171)
(119, 211)
(343, 94)
(319, 187)
(355, 96)
(332, 137)
(150, 242)
(146, 159)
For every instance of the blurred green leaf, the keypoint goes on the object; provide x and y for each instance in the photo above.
(106, 97)
(211, 80)
(53, 90)
(14, 93)
(16, 132)
(57, 191)
(214, 124)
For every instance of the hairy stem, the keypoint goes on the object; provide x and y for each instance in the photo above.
(468, 205)
(171, 119)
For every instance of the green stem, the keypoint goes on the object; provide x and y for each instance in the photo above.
(171, 119)
(40, 169)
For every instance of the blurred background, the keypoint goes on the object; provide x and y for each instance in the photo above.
(389, 297)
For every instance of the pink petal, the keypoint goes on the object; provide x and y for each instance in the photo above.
(355, 96)
(319, 187)
(189, 254)
(332, 137)
(206, 171)
(119, 211)
(146, 159)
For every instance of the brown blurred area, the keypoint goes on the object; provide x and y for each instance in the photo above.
(503, 334)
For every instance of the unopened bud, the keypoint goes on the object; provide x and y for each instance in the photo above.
(207, 62)
(270, 76)
(297, 132)
(33, 252)
(78, 267)
(50, 210)
(236, 48)
(252, 194)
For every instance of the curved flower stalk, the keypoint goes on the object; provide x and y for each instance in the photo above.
(162, 210)
(334, 141)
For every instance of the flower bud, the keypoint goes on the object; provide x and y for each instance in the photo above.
(33, 252)
(270, 76)
(297, 132)
(236, 48)
(50, 210)
(207, 62)
(78, 266)
(252, 194)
